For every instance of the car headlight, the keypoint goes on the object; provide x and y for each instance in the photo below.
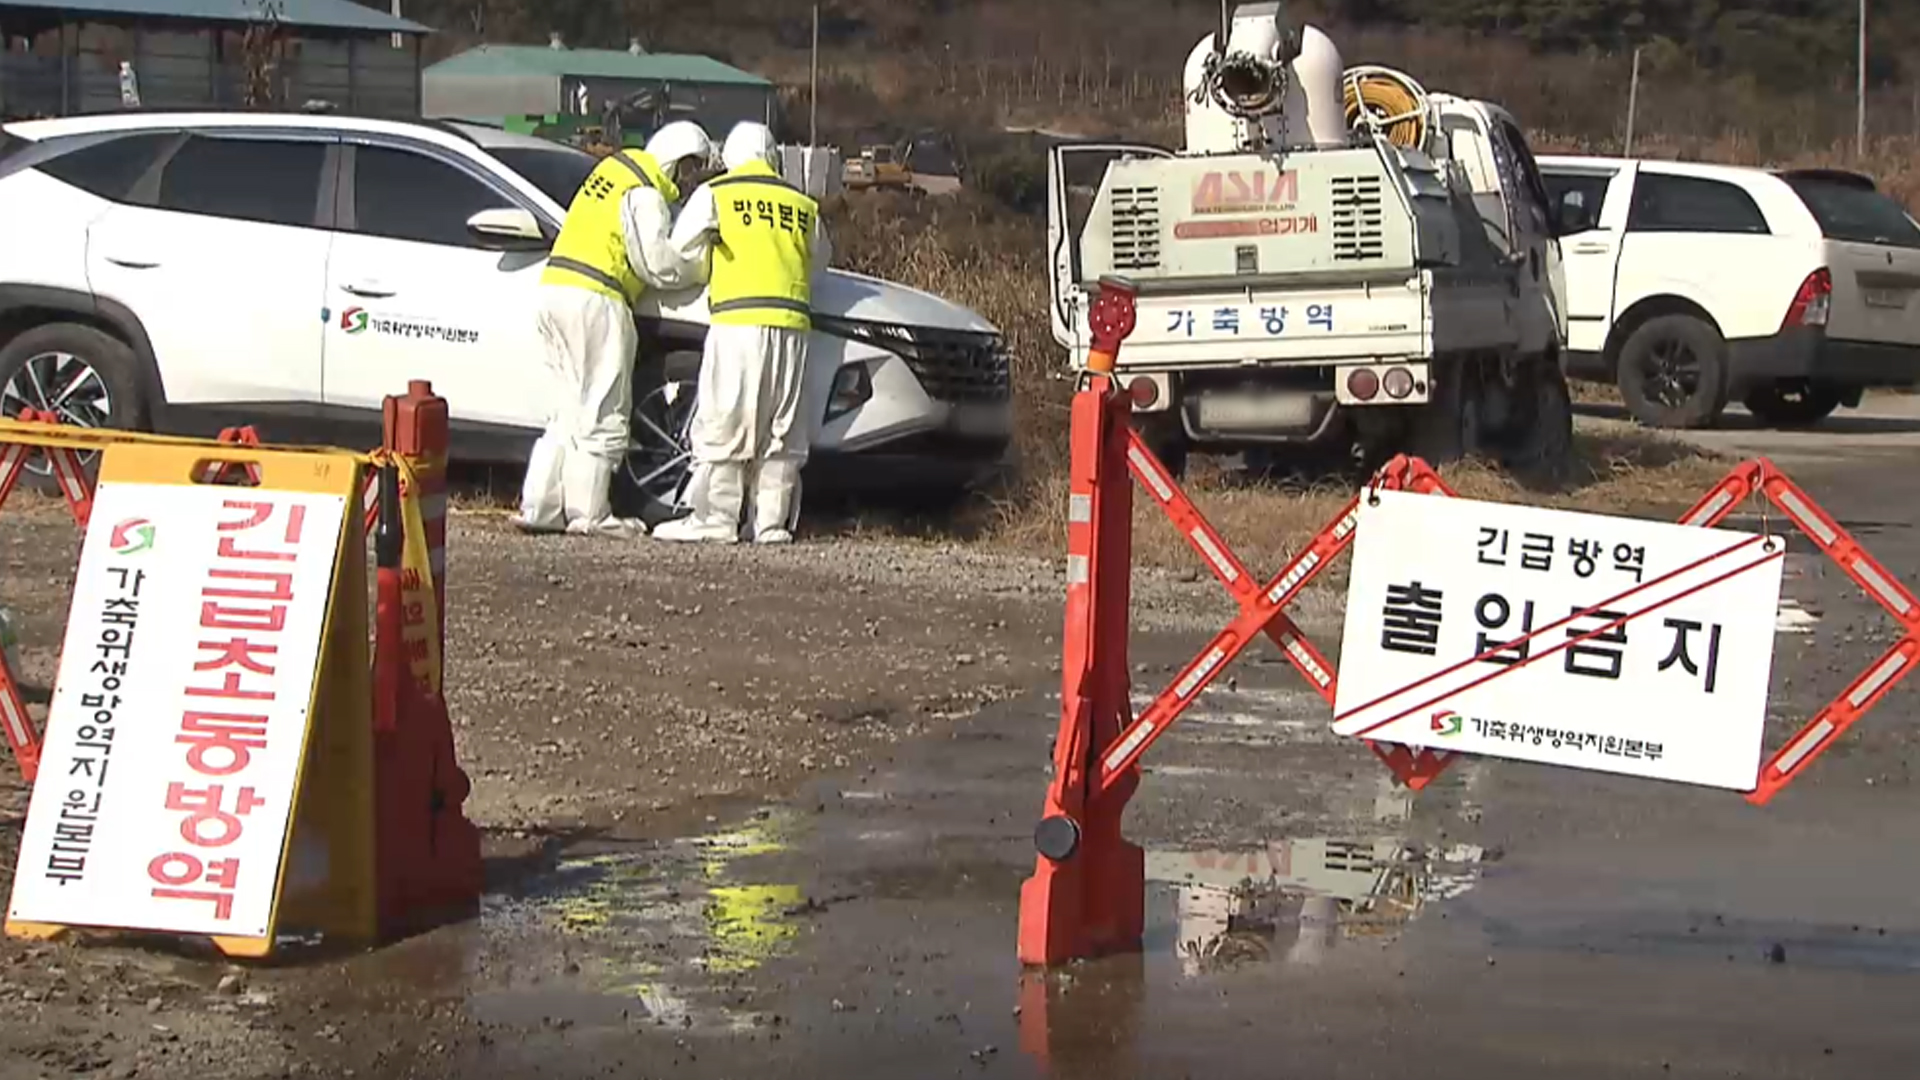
(852, 388)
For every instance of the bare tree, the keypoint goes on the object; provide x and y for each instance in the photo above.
(260, 50)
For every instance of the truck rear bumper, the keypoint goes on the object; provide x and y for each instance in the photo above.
(1808, 353)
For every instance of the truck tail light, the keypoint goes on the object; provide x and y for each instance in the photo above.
(1398, 383)
(1813, 303)
(1363, 384)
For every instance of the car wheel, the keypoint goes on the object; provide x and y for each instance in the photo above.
(85, 376)
(1538, 447)
(659, 458)
(1792, 402)
(1673, 373)
(1447, 428)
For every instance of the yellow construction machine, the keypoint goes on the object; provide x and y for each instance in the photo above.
(878, 167)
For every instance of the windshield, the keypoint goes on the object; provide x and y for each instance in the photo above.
(558, 172)
(1855, 214)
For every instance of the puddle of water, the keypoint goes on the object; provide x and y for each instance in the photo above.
(1794, 619)
(1231, 907)
(662, 927)
(1286, 904)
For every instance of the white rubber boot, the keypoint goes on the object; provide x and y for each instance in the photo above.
(590, 500)
(716, 511)
(542, 508)
(774, 504)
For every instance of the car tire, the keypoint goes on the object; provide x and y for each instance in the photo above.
(84, 375)
(1447, 428)
(1792, 402)
(1538, 448)
(1673, 373)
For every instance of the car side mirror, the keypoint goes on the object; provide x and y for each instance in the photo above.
(508, 229)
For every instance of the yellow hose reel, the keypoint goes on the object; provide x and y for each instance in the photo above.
(1386, 102)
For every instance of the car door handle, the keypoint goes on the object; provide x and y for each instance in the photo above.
(1591, 248)
(132, 264)
(370, 290)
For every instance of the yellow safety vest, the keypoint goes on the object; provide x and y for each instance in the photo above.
(762, 264)
(592, 250)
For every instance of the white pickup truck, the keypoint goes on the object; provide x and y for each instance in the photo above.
(1694, 285)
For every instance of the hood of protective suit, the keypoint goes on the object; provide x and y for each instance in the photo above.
(677, 141)
(749, 142)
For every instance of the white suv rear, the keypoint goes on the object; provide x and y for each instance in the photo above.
(183, 272)
(1692, 285)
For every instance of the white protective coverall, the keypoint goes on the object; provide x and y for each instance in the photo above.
(752, 427)
(588, 341)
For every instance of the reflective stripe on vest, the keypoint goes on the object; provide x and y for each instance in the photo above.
(762, 264)
(591, 252)
(561, 262)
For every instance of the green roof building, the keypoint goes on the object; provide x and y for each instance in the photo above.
(508, 83)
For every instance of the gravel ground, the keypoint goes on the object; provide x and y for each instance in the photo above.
(618, 691)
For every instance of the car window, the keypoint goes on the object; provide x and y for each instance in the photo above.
(558, 172)
(1855, 214)
(269, 180)
(1577, 198)
(403, 195)
(110, 168)
(1531, 191)
(1666, 203)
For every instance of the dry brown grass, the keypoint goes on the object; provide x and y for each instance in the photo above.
(1593, 393)
(1619, 469)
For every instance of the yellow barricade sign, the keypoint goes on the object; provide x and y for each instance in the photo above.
(208, 759)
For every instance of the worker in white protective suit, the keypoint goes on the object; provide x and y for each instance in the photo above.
(612, 248)
(752, 425)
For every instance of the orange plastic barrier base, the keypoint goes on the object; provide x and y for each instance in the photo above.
(427, 854)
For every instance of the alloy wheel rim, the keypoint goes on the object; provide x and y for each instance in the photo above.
(660, 448)
(1673, 373)
(62, 384)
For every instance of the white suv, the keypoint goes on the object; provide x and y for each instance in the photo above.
(1692, 285)
(181, 272)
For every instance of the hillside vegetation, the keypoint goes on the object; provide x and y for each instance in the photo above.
(1779, 73)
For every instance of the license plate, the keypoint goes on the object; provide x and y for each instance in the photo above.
(1249, 412)
(1886, 298)
(981, 421)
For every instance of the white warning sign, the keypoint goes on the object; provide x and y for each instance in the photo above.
(1566, 638)
(180, 714)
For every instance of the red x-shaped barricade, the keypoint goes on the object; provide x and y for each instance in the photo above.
(233, 472)
(1262, 612)
(1086, 896)
(1760, 478)
(76, 488)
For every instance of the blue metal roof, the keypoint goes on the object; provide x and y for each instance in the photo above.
(312, 14)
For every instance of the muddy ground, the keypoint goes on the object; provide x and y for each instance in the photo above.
(604, 693)
(765, 813)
